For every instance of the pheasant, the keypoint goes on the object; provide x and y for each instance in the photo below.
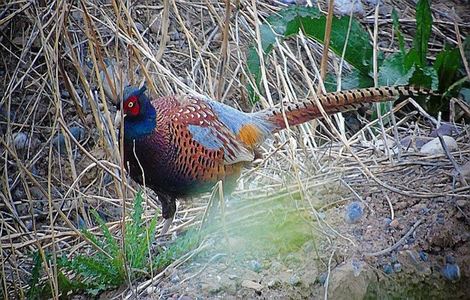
(182, 145)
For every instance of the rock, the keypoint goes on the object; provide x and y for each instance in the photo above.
(434, 146)
(139, 27)
(461, 203)
(294, 280)
(388, 269)
(395, 223)
(256, 266)
(423, 255)
(273, 283)
(155, 24)
(20, 141)
(343, 284)
(451, 272)
(397, 267)
(322, 278)
(445, 129)
(59, 141)
(346, 7)
(252, 285)
(354, 212)
(175, 278)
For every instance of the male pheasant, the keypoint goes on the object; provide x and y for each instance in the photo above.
(183, 145)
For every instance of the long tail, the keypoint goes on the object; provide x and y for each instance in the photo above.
(298, 113)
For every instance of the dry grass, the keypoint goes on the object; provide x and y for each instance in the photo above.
(53, 76)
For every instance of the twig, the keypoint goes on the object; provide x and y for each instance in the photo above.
(397, 244)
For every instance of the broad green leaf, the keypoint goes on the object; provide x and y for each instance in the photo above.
(423, 30)
(446, 65)
(290, 21)
(425, 77)
(393, 71)
(351, 80)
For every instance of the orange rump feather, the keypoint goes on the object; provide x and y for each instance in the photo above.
(250, 134)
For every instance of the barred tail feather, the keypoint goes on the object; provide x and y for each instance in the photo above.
(298, 113)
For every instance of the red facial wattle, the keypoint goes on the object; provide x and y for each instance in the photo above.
(132, 106)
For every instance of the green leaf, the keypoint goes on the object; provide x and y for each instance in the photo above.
(447, 65)
(425, 77)
(111, 243)
(290, 21)
(393, 71)
(423, 30)
(396, 27)
(351, 80)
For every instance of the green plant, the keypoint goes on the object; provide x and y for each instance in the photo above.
(408, 66)
(106, 269)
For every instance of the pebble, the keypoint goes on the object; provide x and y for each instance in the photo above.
(434, 146)
(397, 267)
(440, 218)
(175, 278)
(20, 140)
(139, 26)
(252, 285)
(395, 223)
(461, 203)
(387, 221)
(64, 93)
(354, 212)
(272, 283)
(345, 7)
(423, 255)
(322, 278)
(156, 24)
(256, 266)
(294, 280)
(388, 269)
(451, 272)
(59, 141)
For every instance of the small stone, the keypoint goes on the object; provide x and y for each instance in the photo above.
(386, 222)
(451, 272)
(322, 278)
(151, 290)
(294, 280)
(272, 283)
(397, 267)
(450, 259)
(461, 203)
(353, 212)
(139, 27)
(175, 278)
(256, 266)
(155, 24)
(440, 218)
(395, 223)
(20, 141)
(252, 285)
(59, 141)
(346, 7)
(388, 269)
(434, 146)
(64, 93)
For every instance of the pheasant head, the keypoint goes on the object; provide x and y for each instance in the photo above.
(140, 117)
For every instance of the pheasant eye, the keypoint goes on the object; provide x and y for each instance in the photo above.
(130, 104)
